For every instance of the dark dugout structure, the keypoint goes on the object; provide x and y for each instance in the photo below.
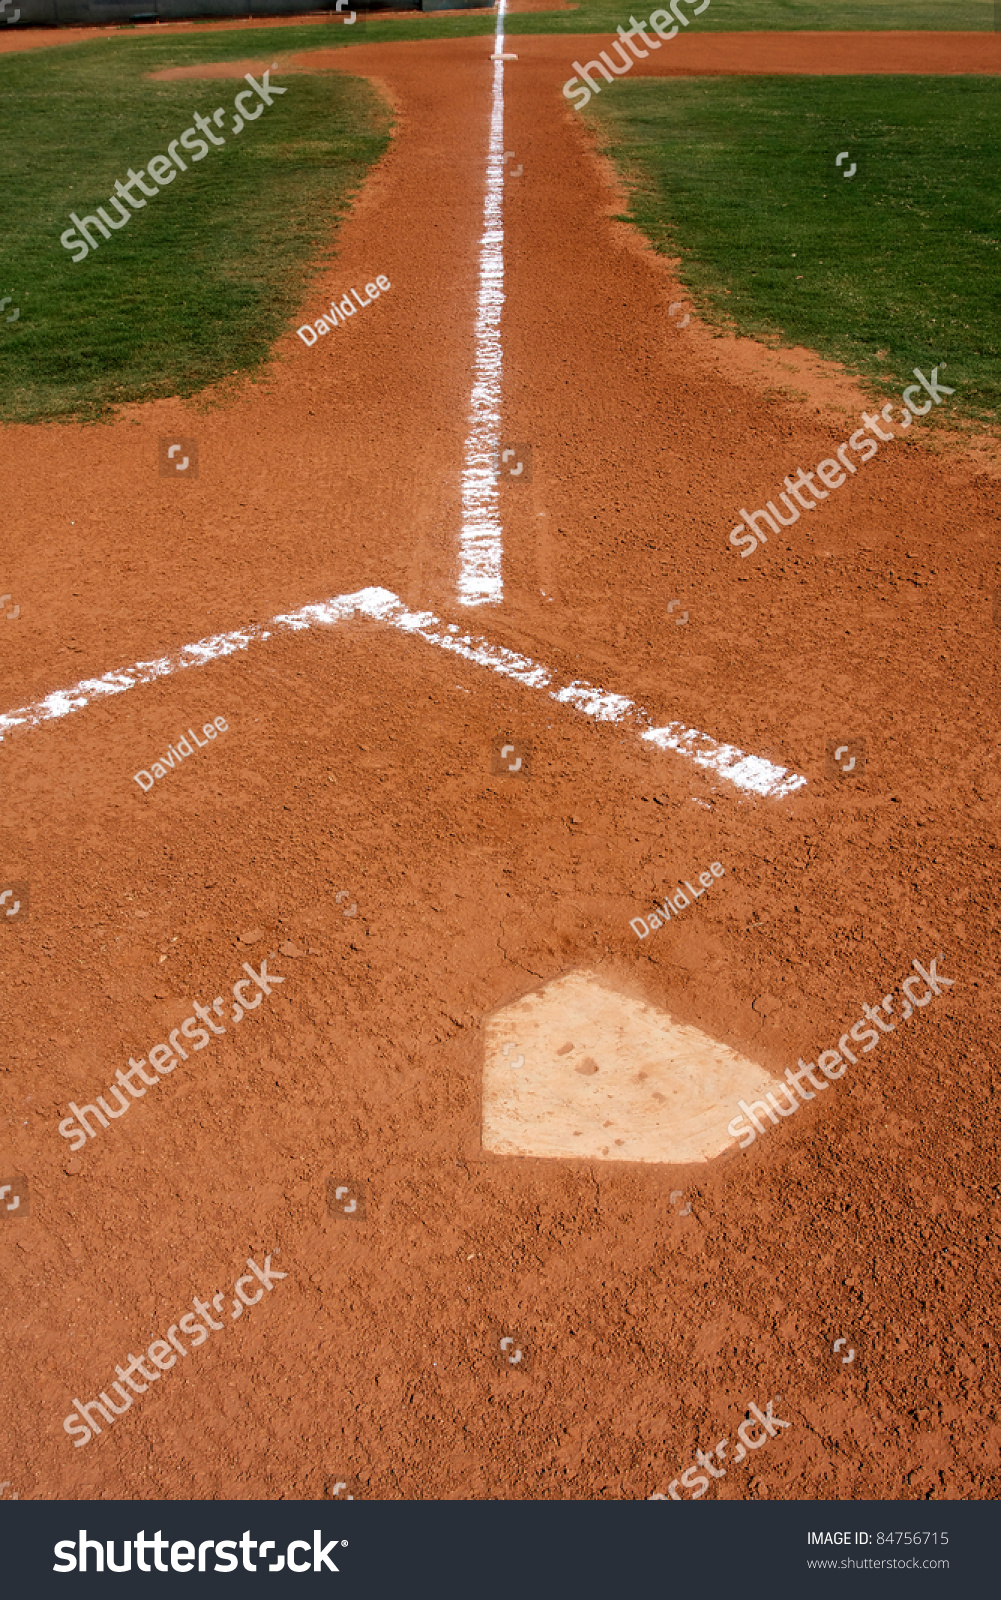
(99, 13)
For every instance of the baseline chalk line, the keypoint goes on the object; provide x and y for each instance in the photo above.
(480, 540)
(748, 772)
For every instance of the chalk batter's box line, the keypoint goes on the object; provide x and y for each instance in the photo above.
(750, 773)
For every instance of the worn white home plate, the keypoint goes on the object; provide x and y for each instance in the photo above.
(578, 1069)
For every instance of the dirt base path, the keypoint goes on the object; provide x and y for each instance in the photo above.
(686, 55)
(46, 38)
(349, 821)
(830, 54)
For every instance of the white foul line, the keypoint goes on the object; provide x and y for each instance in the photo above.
(752, 773)
(480, 579)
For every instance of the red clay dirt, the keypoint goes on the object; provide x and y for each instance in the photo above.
(358, 760)
(832, 54)
(45, 38)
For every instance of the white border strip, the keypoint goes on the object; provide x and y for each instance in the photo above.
(751, 773)
(480, 546)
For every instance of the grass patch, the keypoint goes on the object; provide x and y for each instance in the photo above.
(202, 281)
(894, 268)
(773, 16)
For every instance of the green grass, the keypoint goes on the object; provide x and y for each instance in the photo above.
(203, 280)
(602, 16)
(755, 16)
(894, 268)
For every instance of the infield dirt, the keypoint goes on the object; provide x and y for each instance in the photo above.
(358, 764)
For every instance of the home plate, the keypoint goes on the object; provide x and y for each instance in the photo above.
(578, 1069)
